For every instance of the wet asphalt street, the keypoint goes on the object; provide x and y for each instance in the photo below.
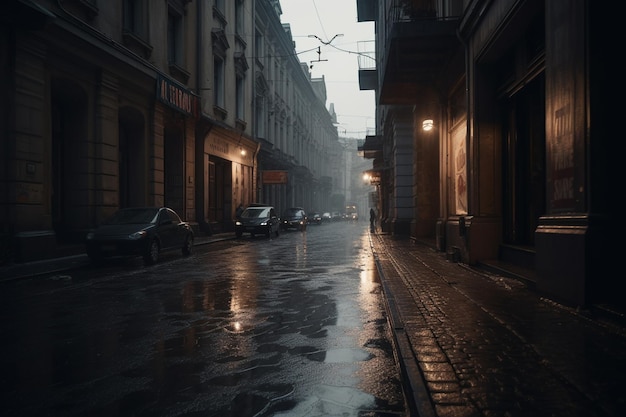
(289, 326)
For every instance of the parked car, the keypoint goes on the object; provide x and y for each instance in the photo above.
(294, 218)
(258, 220)
(140, 231)
(327, 216)
(315, 218)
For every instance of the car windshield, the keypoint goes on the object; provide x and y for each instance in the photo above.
(291, 212)
(134, 216)
(255, 212)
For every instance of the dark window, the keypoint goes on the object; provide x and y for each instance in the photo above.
(174, 37)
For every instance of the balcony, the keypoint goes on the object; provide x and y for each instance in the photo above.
(372, 148)
(419, 46)
(367, 10)
(368, 76)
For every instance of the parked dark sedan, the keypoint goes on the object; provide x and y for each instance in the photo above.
(294, 218)
(315, 218)
(140, 231)
(258, 220)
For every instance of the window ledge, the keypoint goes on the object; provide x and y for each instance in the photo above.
(180, 74)
(220, 112)
(241, 124)
(134, 42)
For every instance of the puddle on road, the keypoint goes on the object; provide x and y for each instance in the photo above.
(346, 355)
(327, 400)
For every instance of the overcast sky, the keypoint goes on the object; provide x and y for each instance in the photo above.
(334, 22)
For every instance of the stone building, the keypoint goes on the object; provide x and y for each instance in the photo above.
(296, 131)
(119, 103)
(495, 139)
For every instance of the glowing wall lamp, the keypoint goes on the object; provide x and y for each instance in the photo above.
(427, 125)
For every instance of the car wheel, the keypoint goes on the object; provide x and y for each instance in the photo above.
(188, 246)
(152, 256)
(238, 234)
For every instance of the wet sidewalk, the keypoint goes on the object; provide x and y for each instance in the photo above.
(75, 258)
(474, 344)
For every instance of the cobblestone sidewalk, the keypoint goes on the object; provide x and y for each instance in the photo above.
(474, 344)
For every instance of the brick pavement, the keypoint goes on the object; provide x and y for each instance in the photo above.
(474, 344)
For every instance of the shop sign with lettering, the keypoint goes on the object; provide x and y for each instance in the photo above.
(274, 177)
(177, 97)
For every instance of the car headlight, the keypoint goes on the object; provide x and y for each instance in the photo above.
(138, 235)
(263, 223)
(237, 223)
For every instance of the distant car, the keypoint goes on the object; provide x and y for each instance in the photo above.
(315, 218)
(354, 216)
(351, 213)
(336, 216)
(294, 218)
(326, 216)
(140, 231)
(258, 220)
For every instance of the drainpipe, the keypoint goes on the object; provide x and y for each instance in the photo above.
(198, 149)
(199, 54)
(253, 126)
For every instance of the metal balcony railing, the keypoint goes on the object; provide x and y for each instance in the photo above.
(367, 55)
(427, 12)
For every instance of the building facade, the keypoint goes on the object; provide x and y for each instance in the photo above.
(122, 103)
(514, 167)
(300, 152)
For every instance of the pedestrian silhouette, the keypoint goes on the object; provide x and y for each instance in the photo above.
(372, 219)
(239, 211)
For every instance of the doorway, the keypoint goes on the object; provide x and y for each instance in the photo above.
(132, 158)
(524, 160)
(68, 158)
(220, 194)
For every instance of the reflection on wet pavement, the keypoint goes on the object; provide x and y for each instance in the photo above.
(292, 326)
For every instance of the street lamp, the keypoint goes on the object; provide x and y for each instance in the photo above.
(326, 43)
(427, 125)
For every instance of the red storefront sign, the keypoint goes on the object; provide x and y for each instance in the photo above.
(274, 177)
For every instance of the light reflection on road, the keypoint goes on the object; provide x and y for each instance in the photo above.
(291, 326)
